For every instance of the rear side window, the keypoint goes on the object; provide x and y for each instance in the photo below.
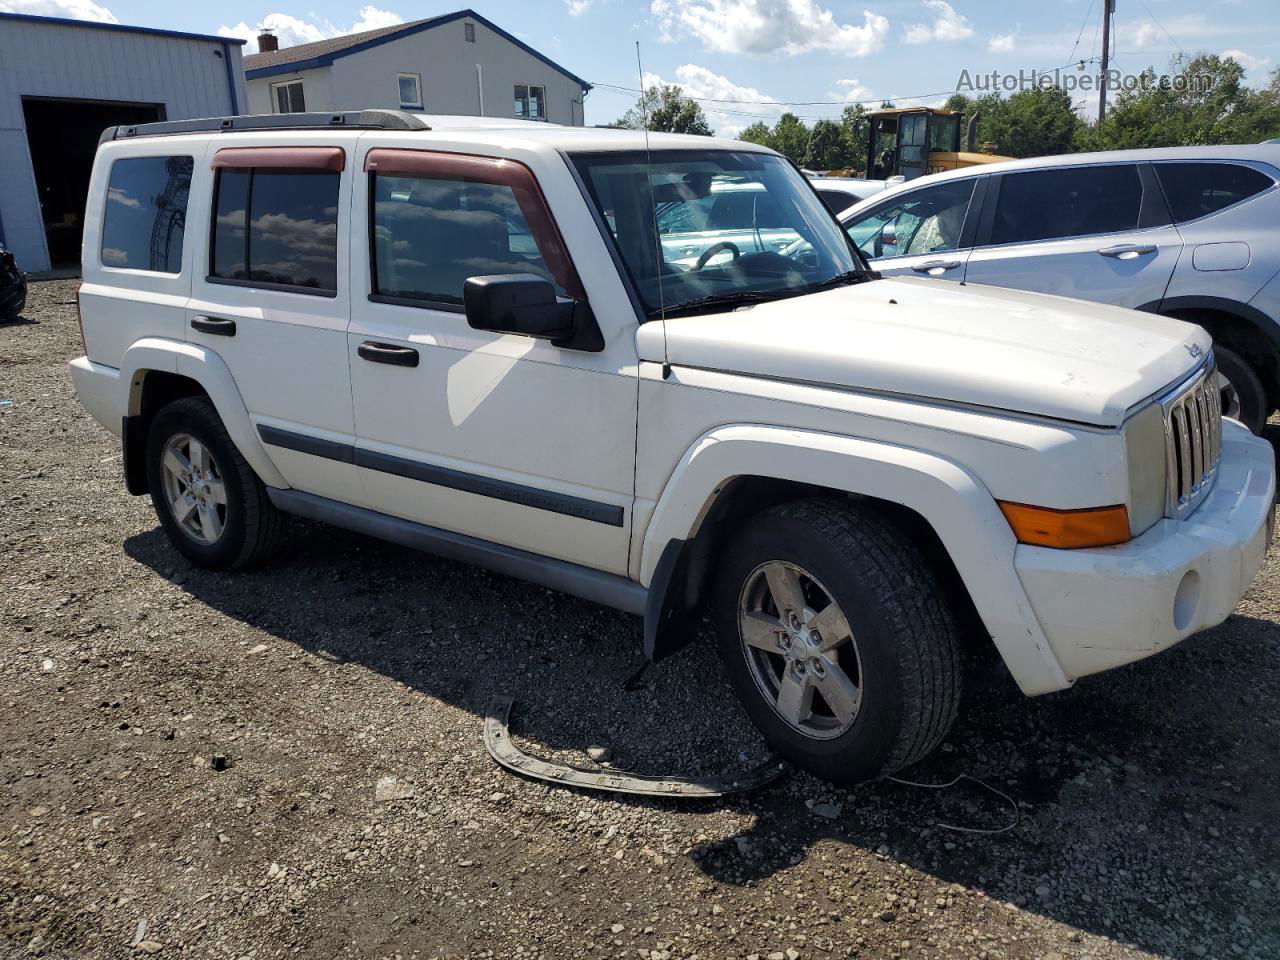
(1196, 190)
(146, 213)
(1049, 204)
(277, 228)
(431, 235)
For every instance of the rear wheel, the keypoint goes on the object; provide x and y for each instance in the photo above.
(209, 501)
(1243, 396)
(838, 640)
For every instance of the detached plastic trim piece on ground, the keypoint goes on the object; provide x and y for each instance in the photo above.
(497, 740)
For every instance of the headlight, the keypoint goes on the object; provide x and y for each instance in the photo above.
(1145, 459)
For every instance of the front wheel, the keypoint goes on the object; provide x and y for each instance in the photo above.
(838, 640)
(209, 501)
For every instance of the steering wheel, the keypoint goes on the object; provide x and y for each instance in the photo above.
(715, 248)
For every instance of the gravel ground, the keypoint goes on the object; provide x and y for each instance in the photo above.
(189, 763)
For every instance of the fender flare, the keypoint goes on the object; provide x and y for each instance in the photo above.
(960, 509)
(208, 369)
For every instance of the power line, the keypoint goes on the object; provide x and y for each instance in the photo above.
(1083, 22)
(1177, 45)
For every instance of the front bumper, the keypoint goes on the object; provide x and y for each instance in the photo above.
(1105, 607)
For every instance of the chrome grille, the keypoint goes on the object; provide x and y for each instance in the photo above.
(1193, 439)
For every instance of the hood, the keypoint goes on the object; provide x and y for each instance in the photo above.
(987, 346)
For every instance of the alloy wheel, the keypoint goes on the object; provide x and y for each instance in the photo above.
(800, 650)
(194, 489)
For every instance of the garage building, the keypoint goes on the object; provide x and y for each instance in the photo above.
(62, 82)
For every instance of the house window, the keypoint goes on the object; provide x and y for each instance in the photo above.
(469, 31)
(410, 91)
(289, 97)
(531, 102)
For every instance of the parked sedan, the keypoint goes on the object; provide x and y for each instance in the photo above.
(1188, 232)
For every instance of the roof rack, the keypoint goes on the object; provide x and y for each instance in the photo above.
(350, 119)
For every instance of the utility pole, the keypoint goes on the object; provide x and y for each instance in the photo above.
(1108, 8)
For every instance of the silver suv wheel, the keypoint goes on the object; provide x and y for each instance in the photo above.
(800, 650)
(194, 489)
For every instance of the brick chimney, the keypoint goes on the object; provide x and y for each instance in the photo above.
(267, 42)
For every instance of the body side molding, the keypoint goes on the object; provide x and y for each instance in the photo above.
(444, 476)
(594, 585)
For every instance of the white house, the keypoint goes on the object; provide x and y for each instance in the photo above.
(459, 63)
(62, 82)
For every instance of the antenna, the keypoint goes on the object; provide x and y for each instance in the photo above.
(648, 160)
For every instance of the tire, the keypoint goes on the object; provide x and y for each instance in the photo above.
(233, 524)
(902, 645)
(1243, 396)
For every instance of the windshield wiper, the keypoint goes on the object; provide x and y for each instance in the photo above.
(845, 279)
(738, 298)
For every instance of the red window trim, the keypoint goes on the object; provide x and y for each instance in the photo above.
(500, 172)
(286, 158)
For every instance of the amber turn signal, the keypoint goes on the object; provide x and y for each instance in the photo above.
(1067, 529)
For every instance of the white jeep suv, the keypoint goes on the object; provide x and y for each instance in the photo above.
(463, 335)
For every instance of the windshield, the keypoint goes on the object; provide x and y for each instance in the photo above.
(708, 229)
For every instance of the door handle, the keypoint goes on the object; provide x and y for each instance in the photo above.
(930, 265)
(1127, 251)
(388, 353)
(216, 326)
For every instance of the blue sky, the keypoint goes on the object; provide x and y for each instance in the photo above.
(759, 52)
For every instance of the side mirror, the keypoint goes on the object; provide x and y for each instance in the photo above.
(889, 234)
(518, 303)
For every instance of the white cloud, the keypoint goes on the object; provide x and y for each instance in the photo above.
(1001, 43)
(73, 9)
(291, 31)
(577, 7)
(728, 119)
(947, 25)
(1247, 60)
(116, 195)
(788, 27)
(851, 91)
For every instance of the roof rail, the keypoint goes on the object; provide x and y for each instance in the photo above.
(350, 119)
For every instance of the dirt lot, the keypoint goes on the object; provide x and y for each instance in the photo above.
(1149, 797)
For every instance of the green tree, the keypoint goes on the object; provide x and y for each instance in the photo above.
(854, 130)
(1037, 122)
(668, 110)
(826, 149)
(1031, 123)
(758, 132)
(1210, 105)
(790, 137)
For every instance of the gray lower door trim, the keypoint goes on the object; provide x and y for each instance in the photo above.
(526, 496)
(594, 585)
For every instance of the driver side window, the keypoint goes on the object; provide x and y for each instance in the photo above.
(924, 221)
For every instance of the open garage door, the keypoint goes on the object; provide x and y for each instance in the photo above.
(63, 137)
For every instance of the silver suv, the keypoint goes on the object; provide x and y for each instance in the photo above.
(1188, 232)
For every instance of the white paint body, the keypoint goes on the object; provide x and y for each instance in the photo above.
(942, 399)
